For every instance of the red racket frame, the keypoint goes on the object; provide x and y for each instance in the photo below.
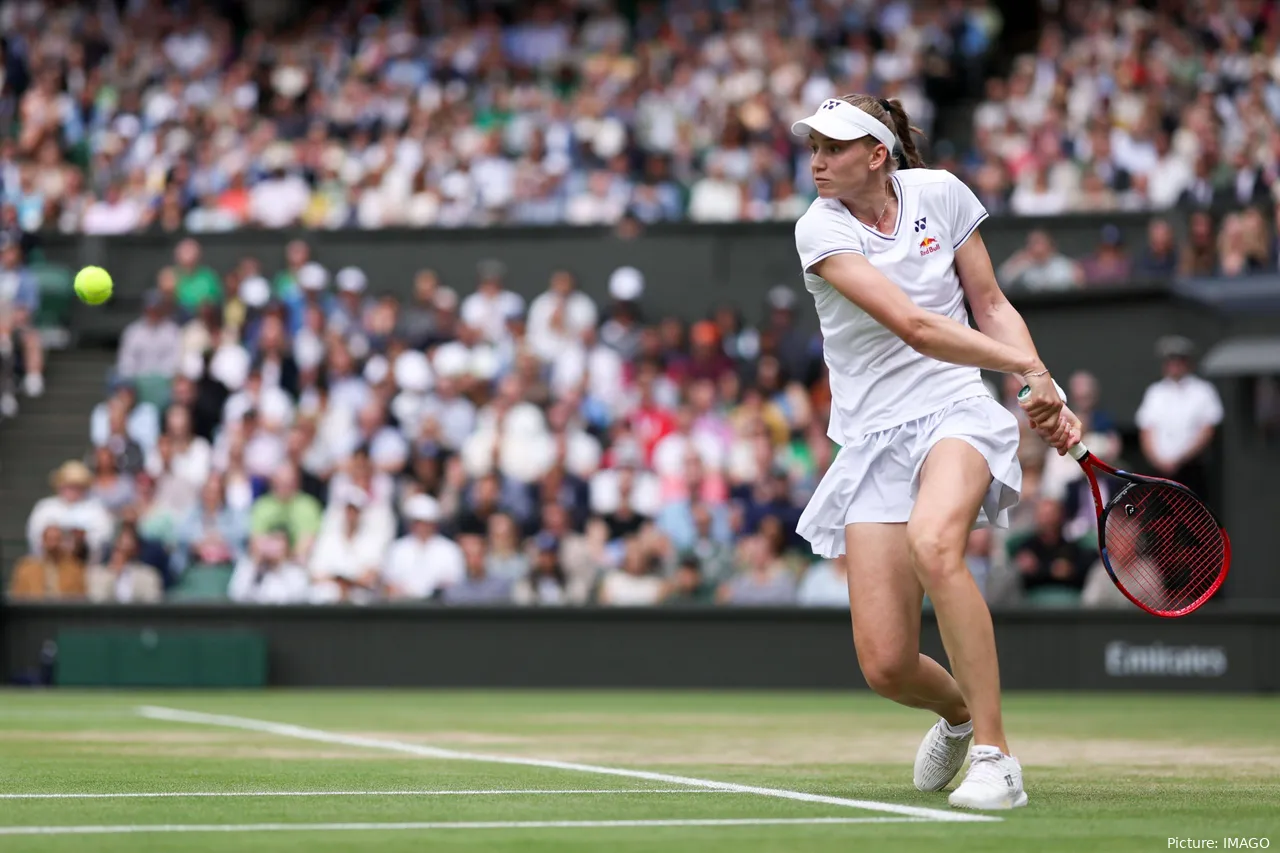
(1089, 462)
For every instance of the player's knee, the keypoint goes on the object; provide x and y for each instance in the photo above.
(887, 674)
(933, 553)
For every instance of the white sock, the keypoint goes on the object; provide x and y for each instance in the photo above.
(957, 731)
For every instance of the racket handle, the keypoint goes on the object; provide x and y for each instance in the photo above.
(1077, 451)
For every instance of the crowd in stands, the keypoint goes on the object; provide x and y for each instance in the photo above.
(144, 114)
(282, 432)
(159, 115)
(308, 438)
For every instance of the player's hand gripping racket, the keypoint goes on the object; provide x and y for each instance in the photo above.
(1161, 545)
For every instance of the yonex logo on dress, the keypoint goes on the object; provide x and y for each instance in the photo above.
(921, 223)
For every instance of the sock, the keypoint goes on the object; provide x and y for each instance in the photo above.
(957, 731)
(980, 750)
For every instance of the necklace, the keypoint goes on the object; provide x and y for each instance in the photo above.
(883, 209)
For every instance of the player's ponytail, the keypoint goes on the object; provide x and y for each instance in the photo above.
(901, 124)
(892, 115)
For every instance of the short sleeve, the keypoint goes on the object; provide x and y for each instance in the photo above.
(1211, 412)
(823, 232)
(965, 211)
(1146, 415)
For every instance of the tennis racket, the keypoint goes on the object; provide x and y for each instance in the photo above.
(1163, 548)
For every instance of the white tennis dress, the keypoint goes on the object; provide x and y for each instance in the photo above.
(890, 404)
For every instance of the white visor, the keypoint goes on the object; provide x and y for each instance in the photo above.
(842, 120)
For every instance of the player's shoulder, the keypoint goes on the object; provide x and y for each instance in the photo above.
(924, 177)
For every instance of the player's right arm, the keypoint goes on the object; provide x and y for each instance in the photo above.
(830, 246)
(934, 335)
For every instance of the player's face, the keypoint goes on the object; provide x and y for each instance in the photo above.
(841, 168)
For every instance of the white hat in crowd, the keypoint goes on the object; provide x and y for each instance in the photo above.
(626, 284)
(376, 369)
(451, 359)
(312, 276)
(422, 508)
(413, 372)
(351, 280)
(255, 291)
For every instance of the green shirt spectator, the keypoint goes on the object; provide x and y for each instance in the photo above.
(196, 283)
(285, 507)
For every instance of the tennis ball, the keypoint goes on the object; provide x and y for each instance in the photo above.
(93, 285)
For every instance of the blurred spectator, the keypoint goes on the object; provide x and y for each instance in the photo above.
(349, 551)
(1159, 259)
(1109, 264)
(1045, 559)
(124, 579)
(151, 346)
(191, 458)
(422, 563)
(488, 308)
(637, 583)
(212, 533)
(1242, 245)
(113, 489)
(21, 352)
(504, 557)
(1040, 268)
(268, 575)
(476, 586)
(1199, 254)
(764, 579)
(284, 506)
(1178, 418)
(195, 283)
(687, 586)
(559, 317)
(54, 573)
(825, 584)
(71, 507)
(977, 557)
(121, 421)
(545, 583)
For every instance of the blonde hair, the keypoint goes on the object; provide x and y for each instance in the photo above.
(893, 116)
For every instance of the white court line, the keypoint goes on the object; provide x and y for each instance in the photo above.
(381, 827)
(302, 733)
(146, 795)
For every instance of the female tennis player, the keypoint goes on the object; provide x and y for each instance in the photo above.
(890, 257)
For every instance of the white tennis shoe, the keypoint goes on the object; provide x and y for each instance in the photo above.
(994, 781)
(940, 757)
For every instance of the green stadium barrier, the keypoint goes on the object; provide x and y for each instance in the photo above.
(57, 293)
(203, 582)
(149, 658)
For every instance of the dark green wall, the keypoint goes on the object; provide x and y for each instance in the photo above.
(1215, 649)
(689, 267)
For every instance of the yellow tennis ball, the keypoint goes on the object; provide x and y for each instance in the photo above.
(93, 285)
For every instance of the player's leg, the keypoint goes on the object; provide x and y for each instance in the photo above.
(953, 482)
(885, 599)
(32, 350)
(8, 368)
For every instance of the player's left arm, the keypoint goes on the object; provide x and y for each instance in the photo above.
(998, 319)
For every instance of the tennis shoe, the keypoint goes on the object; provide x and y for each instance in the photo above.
(940, 757)
(994, 781)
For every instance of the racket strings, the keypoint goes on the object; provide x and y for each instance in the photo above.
(1164, 546)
